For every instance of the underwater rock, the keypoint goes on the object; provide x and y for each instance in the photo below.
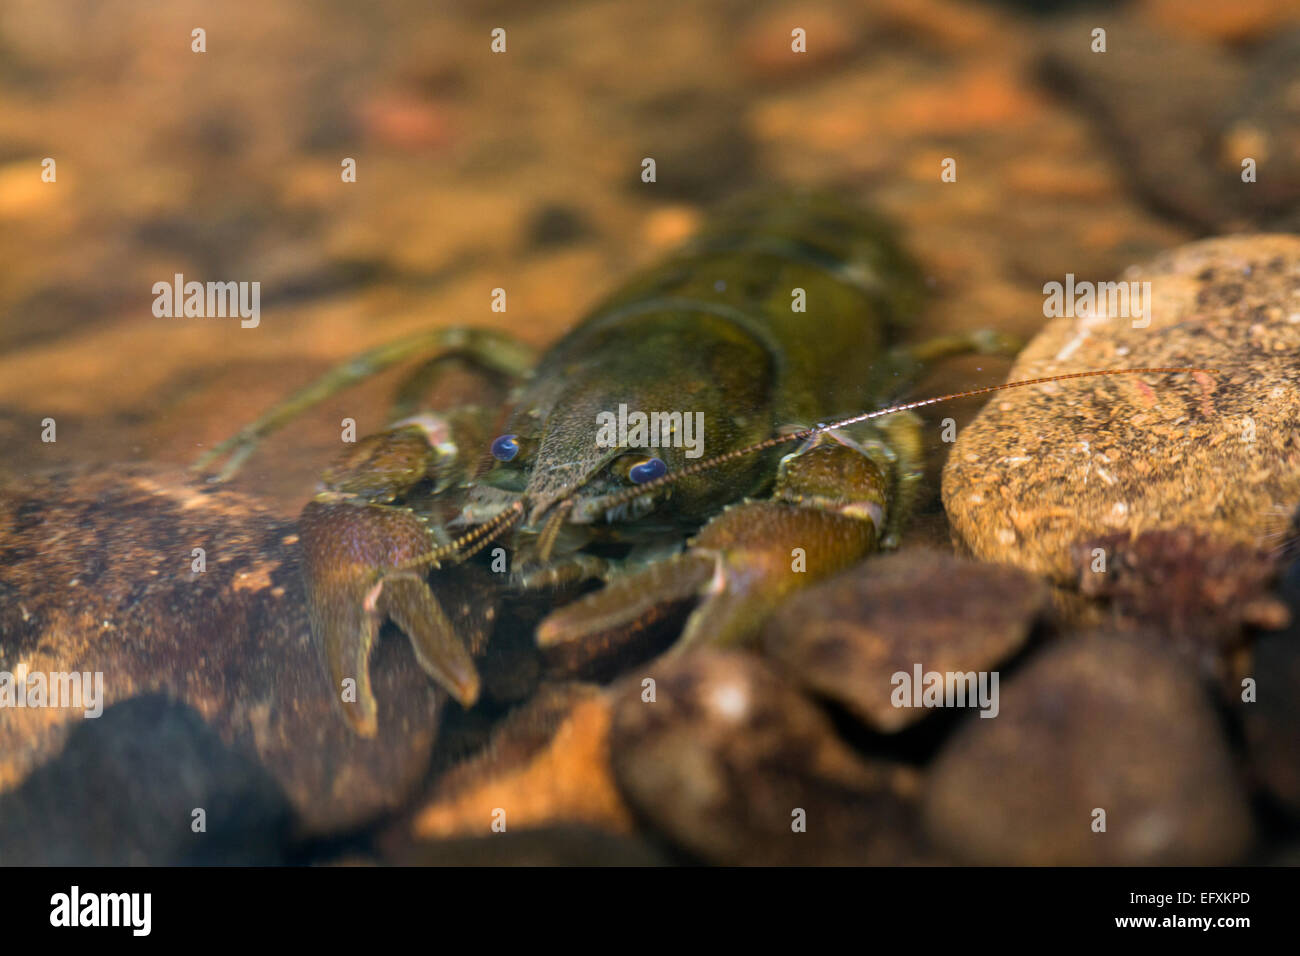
(1092, 725)
(556, 224)
(1213, 111)
(148, 783)
(546, 764)
(1197, 593)
(845, 638)
(546, 846)
(722, 158)
(1263, 123)
(737, 767)
(1272, 721)
(1043, 467)
(1146, 81)
(97, 575)
(1272, 718)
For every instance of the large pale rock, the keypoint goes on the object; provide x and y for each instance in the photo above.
(1042, 467)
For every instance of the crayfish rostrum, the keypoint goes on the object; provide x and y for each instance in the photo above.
(778, 329)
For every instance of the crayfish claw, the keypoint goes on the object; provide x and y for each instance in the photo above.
(625, 600)
(406, 598)
(347, 631)
(355, 580)
(621, 618)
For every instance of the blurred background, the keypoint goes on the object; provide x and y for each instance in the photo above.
(522, 170)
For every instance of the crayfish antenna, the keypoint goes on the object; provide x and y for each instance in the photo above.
(622, 497)
(470, 543)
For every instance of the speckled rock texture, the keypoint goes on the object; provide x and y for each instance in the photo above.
(1043, 466)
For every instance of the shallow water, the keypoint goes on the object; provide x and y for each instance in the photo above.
(478, 171)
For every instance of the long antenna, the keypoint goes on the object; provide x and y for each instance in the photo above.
(470, 543)
(631, 494)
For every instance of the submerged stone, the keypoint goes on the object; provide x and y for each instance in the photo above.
(1045, 466)
(736, 767)
(1095, 732)
(97, 575)
(861, 637)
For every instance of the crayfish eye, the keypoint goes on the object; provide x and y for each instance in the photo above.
(648, 470)
(505, 447)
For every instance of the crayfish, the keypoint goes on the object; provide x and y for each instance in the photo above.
(777, 332)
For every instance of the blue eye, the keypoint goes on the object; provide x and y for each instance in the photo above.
(648, 470)
(505, 447)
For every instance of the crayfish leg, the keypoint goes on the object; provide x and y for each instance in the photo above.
(906, 443)
(496, 350)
